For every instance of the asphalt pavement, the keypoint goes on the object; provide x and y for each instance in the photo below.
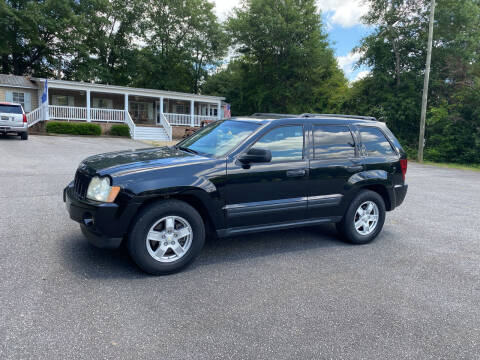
(414, 293)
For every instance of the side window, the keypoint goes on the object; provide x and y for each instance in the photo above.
(332, 141)
(375, 142)
(285, 143)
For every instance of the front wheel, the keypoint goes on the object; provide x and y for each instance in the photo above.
(364, 218)
(166, 237)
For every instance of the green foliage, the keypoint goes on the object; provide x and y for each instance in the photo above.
(396, 53)
(284, 61)
(72, 128)
(120, 130)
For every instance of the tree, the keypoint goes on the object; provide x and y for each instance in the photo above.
(396, 53)
(36, 35)
(182, 40)
(285, 63)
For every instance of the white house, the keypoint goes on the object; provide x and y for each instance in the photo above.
(150, 114)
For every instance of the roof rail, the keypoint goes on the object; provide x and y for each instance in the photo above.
(307, 115)
(274, 115)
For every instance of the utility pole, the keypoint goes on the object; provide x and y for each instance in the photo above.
(421, 137)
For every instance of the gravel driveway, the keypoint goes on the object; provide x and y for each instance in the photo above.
(301, 294)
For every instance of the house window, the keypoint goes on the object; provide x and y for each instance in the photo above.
(19, 98)
(139, 110)
(63, 100)
(102, 103)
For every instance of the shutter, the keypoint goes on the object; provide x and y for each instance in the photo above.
(27, 98)
(9, 96)
(150, 111)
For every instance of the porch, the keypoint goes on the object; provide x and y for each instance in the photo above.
(72, 105)
(149, 113)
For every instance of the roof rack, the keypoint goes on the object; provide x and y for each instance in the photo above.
(307, 115)
(274, 115)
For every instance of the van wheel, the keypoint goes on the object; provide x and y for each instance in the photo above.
(166, 236)
(24, 136)
(364, 218)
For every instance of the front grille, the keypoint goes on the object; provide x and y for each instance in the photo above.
(81, 183)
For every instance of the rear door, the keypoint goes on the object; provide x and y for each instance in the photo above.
(334, 158)
(11, 115)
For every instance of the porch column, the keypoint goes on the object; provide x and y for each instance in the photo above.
(88, 105)
(161, 107)
(47, 109)
(219, 111)
(126, 103)
(192, 112)
(208, 110)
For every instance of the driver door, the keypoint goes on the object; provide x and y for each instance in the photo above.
(273, 192)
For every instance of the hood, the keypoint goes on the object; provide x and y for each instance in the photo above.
(132, 160)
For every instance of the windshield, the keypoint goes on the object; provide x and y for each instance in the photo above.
(10, 109)
(218, 138)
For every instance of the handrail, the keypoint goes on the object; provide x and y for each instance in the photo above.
(130, 123)
(108, 115)
(34, 116)
(166, 125)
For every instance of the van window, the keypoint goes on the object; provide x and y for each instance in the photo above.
(332, 141)
(375, 142)
(10, 109)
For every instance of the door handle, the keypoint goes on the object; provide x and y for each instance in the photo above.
(296, 173)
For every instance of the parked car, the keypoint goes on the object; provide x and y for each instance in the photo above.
(13, 120)
(238, 176)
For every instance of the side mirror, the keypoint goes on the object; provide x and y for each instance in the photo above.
(256, 156)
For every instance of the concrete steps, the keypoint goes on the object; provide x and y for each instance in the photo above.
(157, 133)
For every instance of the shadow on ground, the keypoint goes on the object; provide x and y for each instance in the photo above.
(85, 260)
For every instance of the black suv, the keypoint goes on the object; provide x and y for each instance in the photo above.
(237, 176)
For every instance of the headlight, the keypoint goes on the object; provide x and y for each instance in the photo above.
(100, 189)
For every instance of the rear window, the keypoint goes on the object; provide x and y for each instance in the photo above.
(10, 109)
(375, 142)
(332, 141)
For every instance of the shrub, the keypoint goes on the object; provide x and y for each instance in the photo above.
(120, 130)
(72, 128)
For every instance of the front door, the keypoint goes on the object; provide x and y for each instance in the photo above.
(273, 192)
(333, 160)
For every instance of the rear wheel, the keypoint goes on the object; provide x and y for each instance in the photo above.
(24, 136)
(364, 218)
(166, 237)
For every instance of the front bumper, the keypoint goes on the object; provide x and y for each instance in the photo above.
(104, 224)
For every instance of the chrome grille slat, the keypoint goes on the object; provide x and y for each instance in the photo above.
(81, 185)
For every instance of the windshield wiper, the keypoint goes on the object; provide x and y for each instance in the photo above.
(187, 150)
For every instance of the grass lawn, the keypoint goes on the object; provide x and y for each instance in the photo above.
(474, 167)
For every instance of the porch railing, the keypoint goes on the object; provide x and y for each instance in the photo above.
(107, 115)
(130, 123)
(166, 125)
(67, 112)
(178, 119)
(186, 119)
(35, 116)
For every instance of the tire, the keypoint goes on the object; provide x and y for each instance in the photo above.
(24, 136)
(363, 229)
(163, 253)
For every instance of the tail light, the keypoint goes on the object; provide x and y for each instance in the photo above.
(403, 167)
(24, 118)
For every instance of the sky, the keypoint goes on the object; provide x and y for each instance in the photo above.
(342, 22)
